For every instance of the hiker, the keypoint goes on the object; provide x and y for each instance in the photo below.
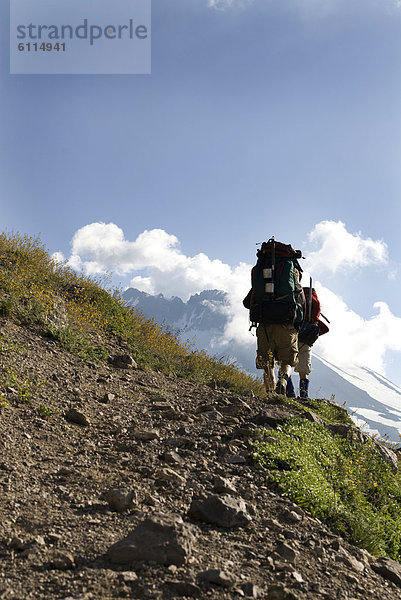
(310, 330)
(275, 302)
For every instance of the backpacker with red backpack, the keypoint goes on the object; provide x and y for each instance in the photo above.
(276, 296)
(312, 327)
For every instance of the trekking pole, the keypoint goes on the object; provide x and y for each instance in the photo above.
(310, 300)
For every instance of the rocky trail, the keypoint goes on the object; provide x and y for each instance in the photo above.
(120, 483)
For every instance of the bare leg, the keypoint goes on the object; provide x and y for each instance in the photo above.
(285, 370)
(283, 376)
(269, 379)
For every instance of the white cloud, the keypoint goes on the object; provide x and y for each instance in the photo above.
(155, 263)
(339, 250)
(58, 257)
(319, 8)
(74, 262)
(104, 245)
(144, 284)
(313, 10)
(353, 339)
(101, 247)
(226, 4)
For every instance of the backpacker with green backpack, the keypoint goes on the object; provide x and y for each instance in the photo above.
(276, 296)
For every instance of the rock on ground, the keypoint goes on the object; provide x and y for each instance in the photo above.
(162, 538)
(223, 511)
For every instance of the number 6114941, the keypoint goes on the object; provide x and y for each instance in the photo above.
(44, 47)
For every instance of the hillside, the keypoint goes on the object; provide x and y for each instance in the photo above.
(96, 443)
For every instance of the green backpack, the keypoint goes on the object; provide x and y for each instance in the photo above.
(277, 296)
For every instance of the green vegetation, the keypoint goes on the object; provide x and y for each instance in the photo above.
(83, 317)
(25, 389)
(46, 412)
(329, 411)
(345, 484)
(8, 345)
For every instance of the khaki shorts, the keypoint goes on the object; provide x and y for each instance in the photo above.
(304, 364)
(278, 342)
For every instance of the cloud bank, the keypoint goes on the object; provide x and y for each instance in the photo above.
(355, 340)
(339, 250)
(227, 4)
(155, 263)
(313, 9)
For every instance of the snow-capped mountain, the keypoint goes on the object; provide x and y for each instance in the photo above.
(200, 320)
(374, 401)
(371, 398)
(202, 312)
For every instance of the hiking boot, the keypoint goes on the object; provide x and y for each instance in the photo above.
(281, 386)
(290, 392)
(303, 389)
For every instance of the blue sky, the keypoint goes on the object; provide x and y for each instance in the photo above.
(260, 118)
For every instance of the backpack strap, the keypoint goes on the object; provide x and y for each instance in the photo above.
(310, 300)
(273, 265)
(282, 297)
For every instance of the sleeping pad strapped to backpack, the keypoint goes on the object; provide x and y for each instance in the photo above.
(276, 297)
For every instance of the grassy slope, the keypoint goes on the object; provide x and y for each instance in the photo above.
(343, 482)
(82, 315)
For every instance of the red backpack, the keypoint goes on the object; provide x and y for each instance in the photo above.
(312, 313)
(312, 326)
